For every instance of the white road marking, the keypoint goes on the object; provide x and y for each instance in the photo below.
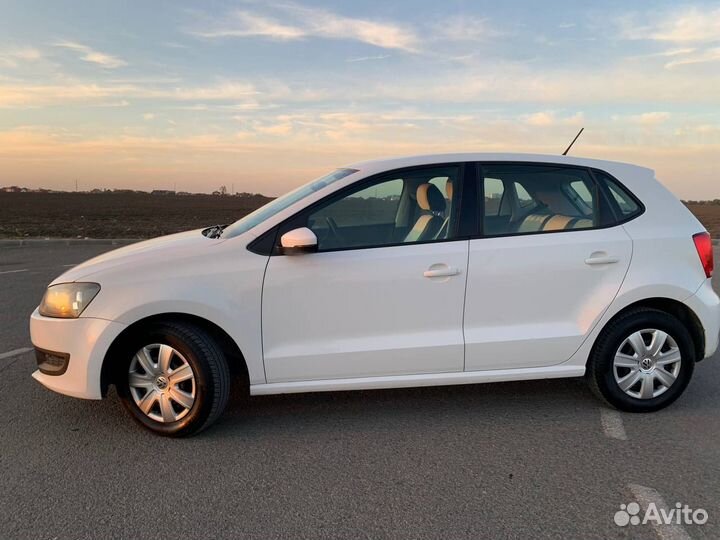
(644, 496)
(13, 271)
(14, 352)
(612, 424)
(69, 265)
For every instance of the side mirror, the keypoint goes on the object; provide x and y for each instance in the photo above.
(298, 241)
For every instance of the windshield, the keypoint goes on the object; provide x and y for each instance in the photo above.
(281, 203)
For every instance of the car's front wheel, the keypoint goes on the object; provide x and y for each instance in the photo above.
(642, 362)
(174, 379)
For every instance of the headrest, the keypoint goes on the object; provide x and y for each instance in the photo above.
(430, 198)
(449, 189)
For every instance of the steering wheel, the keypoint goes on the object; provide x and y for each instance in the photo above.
(334, 229)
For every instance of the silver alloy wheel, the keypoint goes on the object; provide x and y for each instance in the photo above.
(162, 383)
(647, 363)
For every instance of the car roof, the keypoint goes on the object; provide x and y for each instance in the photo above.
(379, 165)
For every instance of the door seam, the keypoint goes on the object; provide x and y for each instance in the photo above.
(467, 273)
(262, 307)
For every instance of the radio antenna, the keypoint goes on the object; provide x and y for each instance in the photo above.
(573, 141)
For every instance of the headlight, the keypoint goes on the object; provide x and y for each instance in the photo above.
(67, 300)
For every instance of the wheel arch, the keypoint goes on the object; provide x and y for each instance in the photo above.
(236, 360)
(677, 309)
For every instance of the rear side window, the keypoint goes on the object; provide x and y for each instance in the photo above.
(494, 193)
(523, 197)
(625, 204)
(582, 191)
(547, 198)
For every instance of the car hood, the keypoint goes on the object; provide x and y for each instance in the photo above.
(160, 249)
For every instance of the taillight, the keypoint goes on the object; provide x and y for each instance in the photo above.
(704, 247)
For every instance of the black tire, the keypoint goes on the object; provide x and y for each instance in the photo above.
(600, 373)
(210, 371)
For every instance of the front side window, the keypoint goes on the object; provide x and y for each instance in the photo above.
(414, 206)
(547, 198)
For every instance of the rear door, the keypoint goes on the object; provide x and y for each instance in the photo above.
(547, 267)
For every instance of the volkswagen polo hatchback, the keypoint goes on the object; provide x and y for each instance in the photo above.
(419, 271)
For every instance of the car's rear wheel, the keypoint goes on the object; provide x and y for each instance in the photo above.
(174, 379)
(642, 362)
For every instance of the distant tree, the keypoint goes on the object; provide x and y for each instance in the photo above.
(222, 190)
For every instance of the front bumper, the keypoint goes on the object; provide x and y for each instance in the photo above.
(85, 340)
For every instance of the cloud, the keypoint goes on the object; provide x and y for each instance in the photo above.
(223, 91)
(499, 83)
(690, 25)
(708, 55)
(305, 22)
(113, 104)
(313, 142)
(519, 84)
(92, 56)
(549, 118)
(12, 58)
(466, 28)
(674, 52)
(290, 21)
(247, 24)
(540, 119)
(697, 31)
(36, 95)
(654, 118)
(276, 129)
(149, 116)
(368, 58)
(238, 95)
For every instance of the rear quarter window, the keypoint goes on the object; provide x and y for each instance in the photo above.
(625, 204)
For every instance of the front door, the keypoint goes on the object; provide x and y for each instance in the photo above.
(383, 295)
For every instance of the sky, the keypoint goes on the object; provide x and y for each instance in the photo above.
(262, 96)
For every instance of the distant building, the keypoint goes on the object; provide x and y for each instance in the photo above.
(12, 189)
(162, 192)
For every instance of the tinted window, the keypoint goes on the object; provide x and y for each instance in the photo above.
(523, 197)
(281, 203)
(494, 191)
(440, 182)
(375, 205)
(402, 209)
(580, 194)
(582, 191)
(625, 202)
(548, 198)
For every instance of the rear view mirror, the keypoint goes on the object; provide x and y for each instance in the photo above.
(298, 241)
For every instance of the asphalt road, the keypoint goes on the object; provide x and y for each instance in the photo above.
(531, 459)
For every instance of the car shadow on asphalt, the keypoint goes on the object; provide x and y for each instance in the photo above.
(372, 409)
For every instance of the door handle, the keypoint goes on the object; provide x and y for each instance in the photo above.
(445, 271)
(601, 259)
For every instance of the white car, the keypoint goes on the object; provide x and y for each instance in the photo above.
(418, 271)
